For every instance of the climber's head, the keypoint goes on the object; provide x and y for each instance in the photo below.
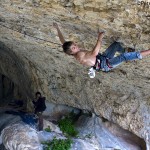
(38, 95)
(70, 48)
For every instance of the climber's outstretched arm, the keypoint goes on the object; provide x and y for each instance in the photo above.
(98, 45)
(59, 33)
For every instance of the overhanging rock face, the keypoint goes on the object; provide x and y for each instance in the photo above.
(121, 96)
(14, 68)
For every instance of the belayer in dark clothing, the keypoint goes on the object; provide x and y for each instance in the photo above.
(39, 106)
(39, 103)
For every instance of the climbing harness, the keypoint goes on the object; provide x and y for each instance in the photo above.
(101, 60)
(97, 65)
(108, 64)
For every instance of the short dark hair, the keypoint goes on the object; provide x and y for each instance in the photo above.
(38, 93)
(66, 47)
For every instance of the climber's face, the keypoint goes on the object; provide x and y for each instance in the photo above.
(74, 48)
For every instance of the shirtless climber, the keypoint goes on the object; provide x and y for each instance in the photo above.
(105, 61)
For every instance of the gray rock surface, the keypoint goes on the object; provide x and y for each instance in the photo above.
(93, 135)
(20, 137)
(106, 135)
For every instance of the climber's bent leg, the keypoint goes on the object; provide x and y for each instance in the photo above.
(112, 49)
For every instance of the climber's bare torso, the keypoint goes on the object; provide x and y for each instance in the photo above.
(85, 57)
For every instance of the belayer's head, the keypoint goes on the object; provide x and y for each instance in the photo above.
(70, 48)
(38, 95)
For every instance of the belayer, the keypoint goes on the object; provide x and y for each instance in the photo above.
(105, 61)
(39, 107)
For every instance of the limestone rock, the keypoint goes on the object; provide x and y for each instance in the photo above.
(52, 126)
(19, 137)
(31, 56)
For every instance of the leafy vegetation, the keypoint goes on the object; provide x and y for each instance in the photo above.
(61, 144)
(67, 127)
(48, 129)
(58, 144)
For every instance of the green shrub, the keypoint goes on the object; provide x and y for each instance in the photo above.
(67, 127)
(47, 145)
(48, 129)
(58, 144)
